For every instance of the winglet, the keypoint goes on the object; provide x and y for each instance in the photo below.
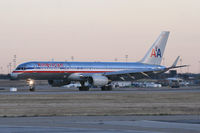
(175, 62)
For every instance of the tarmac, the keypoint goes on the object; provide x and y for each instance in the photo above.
(102, 124)
(46, 89)
(123, 110)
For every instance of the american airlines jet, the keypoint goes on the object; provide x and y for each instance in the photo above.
(99, 74)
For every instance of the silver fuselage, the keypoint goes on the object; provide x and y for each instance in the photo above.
(62, 70)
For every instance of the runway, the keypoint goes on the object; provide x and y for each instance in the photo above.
(103, 124)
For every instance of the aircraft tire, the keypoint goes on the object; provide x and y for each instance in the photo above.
(106, 88)
(84, 88)
(32, 88)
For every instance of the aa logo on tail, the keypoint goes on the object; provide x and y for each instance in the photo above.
(156, 52)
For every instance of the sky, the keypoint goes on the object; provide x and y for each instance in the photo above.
(98, 30)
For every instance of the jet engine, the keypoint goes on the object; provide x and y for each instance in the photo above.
(98, 80)
(58, 83)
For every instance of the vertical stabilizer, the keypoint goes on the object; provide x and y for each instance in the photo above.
(155, 53)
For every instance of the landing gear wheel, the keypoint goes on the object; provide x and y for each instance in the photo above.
(83, 88)
(32, 88)
(31, 84)
(106, 88)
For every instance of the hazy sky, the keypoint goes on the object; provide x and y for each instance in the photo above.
(98, 30)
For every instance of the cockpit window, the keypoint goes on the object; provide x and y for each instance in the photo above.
(20, 68)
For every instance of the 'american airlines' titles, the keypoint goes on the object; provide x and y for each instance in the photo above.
(50, 65)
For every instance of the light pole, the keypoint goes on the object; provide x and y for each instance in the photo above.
(14, 61)
(1, 70)
(10, 67)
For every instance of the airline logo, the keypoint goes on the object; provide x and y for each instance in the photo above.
(156, 52)
(50, 65)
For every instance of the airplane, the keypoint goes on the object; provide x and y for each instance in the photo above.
(99, 74)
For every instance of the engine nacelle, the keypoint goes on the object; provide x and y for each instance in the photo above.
(98, 80)
(58, 83)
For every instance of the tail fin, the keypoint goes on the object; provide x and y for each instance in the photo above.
(155, 53)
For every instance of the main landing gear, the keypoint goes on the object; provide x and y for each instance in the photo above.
(106, 88)
(83, 87)
(86, 87)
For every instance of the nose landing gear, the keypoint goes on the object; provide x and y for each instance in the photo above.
(31, 84)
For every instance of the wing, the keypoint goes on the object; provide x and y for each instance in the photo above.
(133, 74)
